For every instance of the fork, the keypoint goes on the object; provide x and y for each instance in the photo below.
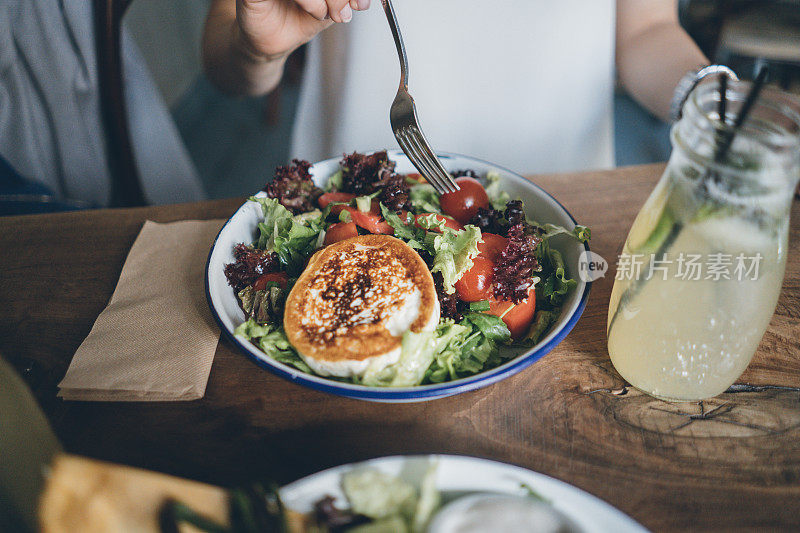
(405, 124)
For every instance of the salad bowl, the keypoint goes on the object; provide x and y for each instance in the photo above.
(539, 205)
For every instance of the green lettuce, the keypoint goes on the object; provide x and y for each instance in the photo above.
(377, 495)
(473, 350)
(541, 323)
(424, 199)
(431, 221)
(482, 305)
(554, 285)
(294, 244)
(451, 351)
(580, 233)
(430, 499)
(404, 229)
(418, 352)
(335, 181)
(394, 504)
(453, 252)
(498, 197)
(272, 341)
(415, 358)
(275, 217)
(308, 217)
(489, 326)
(293, 238)
(252, 329)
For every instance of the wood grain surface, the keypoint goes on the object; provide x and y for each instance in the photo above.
(732, 463)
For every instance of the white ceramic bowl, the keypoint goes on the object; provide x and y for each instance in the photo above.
(540, 206)
(460, 475)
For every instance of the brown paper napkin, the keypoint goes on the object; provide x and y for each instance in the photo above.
(156, 338)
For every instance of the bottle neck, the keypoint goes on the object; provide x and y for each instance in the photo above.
(764, 155)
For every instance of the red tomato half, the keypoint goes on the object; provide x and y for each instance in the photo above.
(278, 277)
(338, 208)
(374, 208)
(464, 203)
(372, 222)
(517, 317)
(416, 176)
(491, 246)
(339, 232)
(476, 283)
(330, 197)
(448, 222)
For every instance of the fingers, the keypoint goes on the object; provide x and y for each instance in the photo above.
(345, 14)
(340, 10)
(337, 10)
(359, 5)
(316, 8)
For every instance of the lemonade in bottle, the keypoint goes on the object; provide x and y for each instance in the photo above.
(700, 272)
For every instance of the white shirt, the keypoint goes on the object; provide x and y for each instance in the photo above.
(50, 121)
(526, 84)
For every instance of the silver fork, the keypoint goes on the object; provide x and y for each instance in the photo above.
(405, 124)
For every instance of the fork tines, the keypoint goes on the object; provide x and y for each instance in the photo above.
(413, 143)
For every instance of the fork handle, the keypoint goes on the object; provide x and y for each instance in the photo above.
(398, 41)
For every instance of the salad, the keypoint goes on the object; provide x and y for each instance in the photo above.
(498, 280)
(377, 502)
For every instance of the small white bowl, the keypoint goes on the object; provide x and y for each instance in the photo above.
(540, 206)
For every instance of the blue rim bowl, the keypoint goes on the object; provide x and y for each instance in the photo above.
(539, 205)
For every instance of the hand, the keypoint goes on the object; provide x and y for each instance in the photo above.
(246, 42)
(272, 29)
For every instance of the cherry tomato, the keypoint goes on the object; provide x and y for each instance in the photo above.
(416, 176)
(491, 246)
(476, 283)
(339, 232)
(330, 197)
(448, 222)
(517, 317)
(464, 203)
(278, 277)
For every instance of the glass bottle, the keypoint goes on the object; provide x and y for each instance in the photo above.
(700, 272)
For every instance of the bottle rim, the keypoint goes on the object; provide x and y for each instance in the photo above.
(773, 126)
(780, 103)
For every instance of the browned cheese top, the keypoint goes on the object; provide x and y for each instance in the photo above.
(340, 305)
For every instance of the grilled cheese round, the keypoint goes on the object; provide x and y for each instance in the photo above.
(353, 302)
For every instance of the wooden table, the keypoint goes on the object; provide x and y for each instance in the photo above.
(730, 463)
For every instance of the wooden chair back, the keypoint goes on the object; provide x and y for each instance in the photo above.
(126, 188)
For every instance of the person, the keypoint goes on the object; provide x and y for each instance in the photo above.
(52, 145)
(527, 84)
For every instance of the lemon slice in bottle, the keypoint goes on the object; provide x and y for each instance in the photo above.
(652, 224)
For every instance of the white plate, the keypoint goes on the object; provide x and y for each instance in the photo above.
(460, 474)
(540, 206)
